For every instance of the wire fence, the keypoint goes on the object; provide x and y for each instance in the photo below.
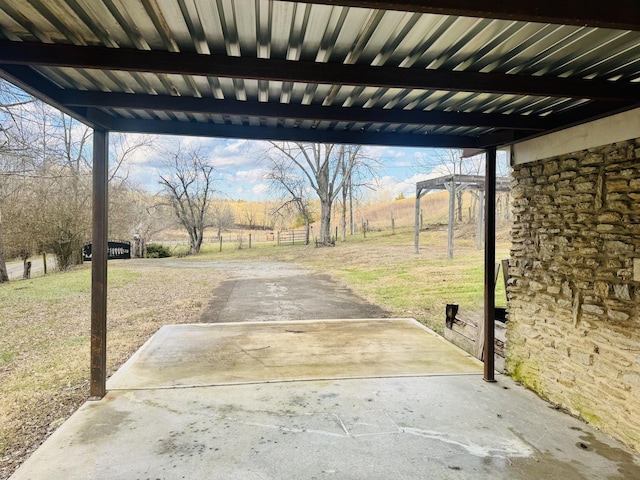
(247, 240)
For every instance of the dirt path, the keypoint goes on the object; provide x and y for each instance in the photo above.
(271, 291)
(15, 269)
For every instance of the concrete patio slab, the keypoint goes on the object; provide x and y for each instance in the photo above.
(223, 353)
(401, 425)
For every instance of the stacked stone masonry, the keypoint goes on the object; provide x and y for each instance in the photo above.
(574, 330)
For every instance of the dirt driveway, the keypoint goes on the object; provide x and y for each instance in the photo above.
(272, 291)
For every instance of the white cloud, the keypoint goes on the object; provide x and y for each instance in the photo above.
(236, 154)
(260, 188)
(251, 176)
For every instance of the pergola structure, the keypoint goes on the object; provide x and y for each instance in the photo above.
(424, 73)
(455, 184)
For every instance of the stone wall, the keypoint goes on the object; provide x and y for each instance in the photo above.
(574, 330)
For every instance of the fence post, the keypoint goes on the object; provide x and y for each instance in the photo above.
(393, 226)
(278, 239)
(336, 235)
(220, 242)
(249, 240)
(364, 229)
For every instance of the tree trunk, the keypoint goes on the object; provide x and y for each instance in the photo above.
(26, 270)
(307, 229)
(351, 219)
(325, 221)
(4, 276)
(195, 242)
(344, 219)
(345, 194)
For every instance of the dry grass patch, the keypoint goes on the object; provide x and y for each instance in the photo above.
(44, 322)
(44, 341)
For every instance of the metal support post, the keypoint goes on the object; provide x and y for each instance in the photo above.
(99, 247)
(489, 264)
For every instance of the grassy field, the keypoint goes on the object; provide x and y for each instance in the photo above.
(44, 322)
(384, 268)
(44, 340)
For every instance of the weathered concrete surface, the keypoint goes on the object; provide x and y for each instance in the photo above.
(415, 427)
(173, 411)
(444, 427)
(214, 354)
(268, 291)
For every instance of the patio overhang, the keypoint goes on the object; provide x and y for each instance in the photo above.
(404, 73)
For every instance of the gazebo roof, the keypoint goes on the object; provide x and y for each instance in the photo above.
(414, 73)
(469, 182)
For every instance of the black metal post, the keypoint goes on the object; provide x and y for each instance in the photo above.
(489, 264)
(98, 382)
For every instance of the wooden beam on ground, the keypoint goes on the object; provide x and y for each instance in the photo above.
(98, 380)
(505, 277)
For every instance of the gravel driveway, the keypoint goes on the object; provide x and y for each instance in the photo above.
(272, 291)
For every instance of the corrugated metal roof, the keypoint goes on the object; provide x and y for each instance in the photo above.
(326, 34)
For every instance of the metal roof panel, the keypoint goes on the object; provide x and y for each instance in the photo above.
(326, 34)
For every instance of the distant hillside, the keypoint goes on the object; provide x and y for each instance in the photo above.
(434, 213)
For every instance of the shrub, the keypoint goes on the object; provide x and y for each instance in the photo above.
(155, 250)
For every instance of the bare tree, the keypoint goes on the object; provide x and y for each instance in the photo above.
(293, 193)
(11, 99)
(189, 185)
(51, 176)
(129, 207)
(322, 168)
(357, 170)
(221, 216)
(4, 275)
(249, 214)
(45, 180)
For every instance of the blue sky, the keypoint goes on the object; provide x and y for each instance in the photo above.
(242, 167)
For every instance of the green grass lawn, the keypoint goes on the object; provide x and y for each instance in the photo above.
(384, 268)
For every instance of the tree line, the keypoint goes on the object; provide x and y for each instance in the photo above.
(45, 185)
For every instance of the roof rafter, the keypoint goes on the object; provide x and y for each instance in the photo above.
(87, 107)
(40, 87)
(616, 14)
(301, 112)
(295, 134)
(27, 78)
(187, 63)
